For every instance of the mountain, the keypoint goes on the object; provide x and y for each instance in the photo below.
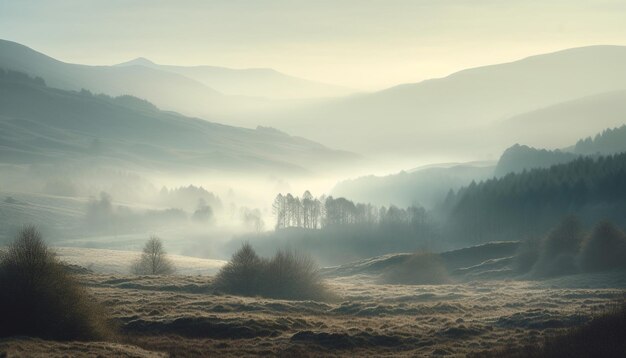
(561, 124)
(608, 142)
(43, 125)
(521, 157)
(429, 185)
(426, 187)
(166, 89)
(527, 204)
(414, 119)
(253, 82)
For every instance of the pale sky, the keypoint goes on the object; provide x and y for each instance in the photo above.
(363, 44)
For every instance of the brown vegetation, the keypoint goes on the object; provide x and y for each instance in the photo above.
(287, 275)
(568, 249)
(422, 268)
(39, 298)
(153, 260)
(603, 336)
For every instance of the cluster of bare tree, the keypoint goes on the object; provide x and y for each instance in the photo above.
(314, 213)
(292, 211)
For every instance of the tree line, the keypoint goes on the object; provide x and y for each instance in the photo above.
(528, 203)
(310, 212)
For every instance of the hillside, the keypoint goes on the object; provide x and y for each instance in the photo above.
(40, 124)
(527, 204)
(522, 157)
(253, 82)
(417, 118)
(612, 140)
(167, 89)
(561, 124)
(426, 187)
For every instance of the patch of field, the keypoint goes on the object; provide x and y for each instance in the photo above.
(119, 261)
(31, 347)
(183, 316)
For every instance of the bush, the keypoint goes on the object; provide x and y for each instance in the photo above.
(39, 298)
(526, 255)
(566, 250)
(422, 268)
(558, 250)
(287, 275)
(241, 275)
(604, 249)
(153, 260)
(290, 274)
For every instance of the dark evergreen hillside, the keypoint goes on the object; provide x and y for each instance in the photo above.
(519, 157)
(39, 124)
(528, 203)
(608, 142)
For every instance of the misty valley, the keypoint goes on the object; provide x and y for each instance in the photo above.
(153, 210)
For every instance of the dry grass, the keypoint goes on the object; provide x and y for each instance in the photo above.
(422, 268)
(601, 337)
(181, 315)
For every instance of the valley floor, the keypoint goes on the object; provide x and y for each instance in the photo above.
(180, 315)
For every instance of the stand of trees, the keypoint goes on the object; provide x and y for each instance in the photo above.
(316, 213)
(528, 203)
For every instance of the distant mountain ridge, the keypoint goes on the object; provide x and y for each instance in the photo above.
(429, 185)
(44, 125)
(440, 115)
(165, 86)
(521, 157)
(252, 82)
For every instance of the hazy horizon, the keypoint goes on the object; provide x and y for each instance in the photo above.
(364, 46)
(395, 178)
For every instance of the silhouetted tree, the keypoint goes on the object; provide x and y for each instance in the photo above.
(153, 260)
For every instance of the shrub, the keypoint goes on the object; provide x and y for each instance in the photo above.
(526, 255)
(39, 298)
(293, 275)
(153, 260)
(287, 275)
(604, 249)
(241, 275)
(422, 268)
(558, 250)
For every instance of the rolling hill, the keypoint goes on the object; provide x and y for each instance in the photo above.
(40, 124)
(252, 82)
(426, 187)
(561, 124)
(442, 115)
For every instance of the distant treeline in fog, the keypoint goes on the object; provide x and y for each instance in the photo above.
(309, 212)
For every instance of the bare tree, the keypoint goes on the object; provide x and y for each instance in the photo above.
(153, 260)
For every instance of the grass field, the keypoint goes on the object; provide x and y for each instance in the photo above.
(182, 316)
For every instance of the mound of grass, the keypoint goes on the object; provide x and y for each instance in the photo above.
(603, 336)
(567, 249)
(421, 268)
(39, 298)
(559, 248)
(604, 249)
(287, 275)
